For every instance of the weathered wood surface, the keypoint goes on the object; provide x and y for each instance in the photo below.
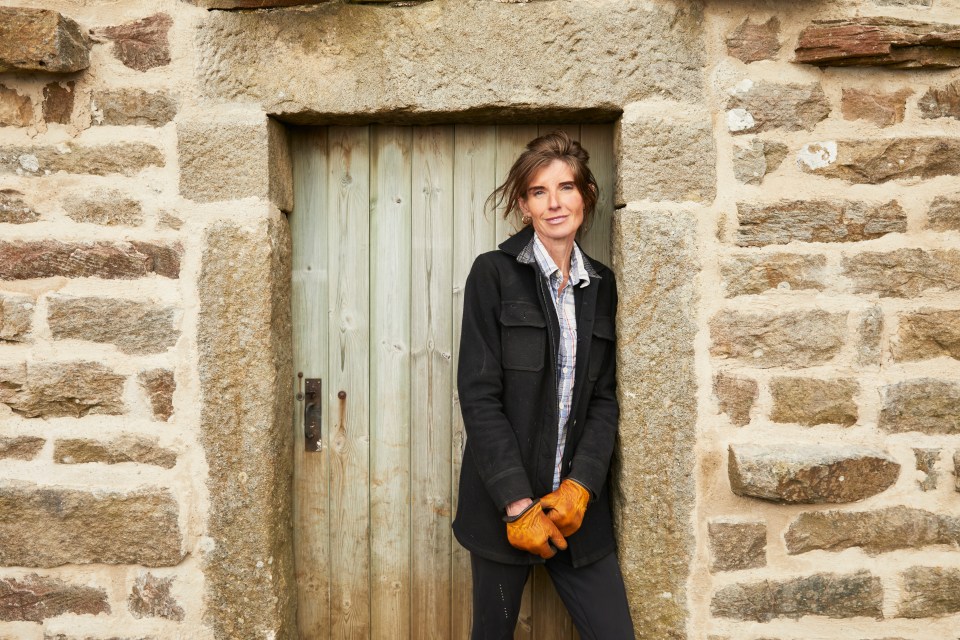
(889, 42)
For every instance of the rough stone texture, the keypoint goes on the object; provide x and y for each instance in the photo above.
(16, 314)
(809, 401)
(878, 161)
(787, 221)
(869, 333)
(151, 597)
(53, 526)
(745, 274)
(254, 4)
(735, 396)
(880, 41)
(809, 474)
(258, 163)
(821, 594)
(904, 273)
(58, 99)
(930, 592)
(927, 463)
(41, 40)
(770, 339)
(142, 44)
(737, 545)
(15, 110)
(751, 163)
(780, 106)
(657, 263)
(943, 215)
(878, 531)
(36, 598)
(20, 447)
(941, 103)
(469, 65)
(125, 158)
(134, 326)
(133, 107)
(127, 448)
(751, 42)
(925, 405)
(928, 333)
(110, 260)
(54, 389)
(243, 335)
(882, 109)
(63, 636)
(956, 470)
(106, 207)
(14, 210)
(159, 385)
(903, 3)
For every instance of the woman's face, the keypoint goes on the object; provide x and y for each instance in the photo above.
(553, 202)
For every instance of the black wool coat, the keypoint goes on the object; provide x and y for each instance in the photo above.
(508, 396)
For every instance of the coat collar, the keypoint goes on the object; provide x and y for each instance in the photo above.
(520, 246)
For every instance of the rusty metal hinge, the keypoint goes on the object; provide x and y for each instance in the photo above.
(312, 415)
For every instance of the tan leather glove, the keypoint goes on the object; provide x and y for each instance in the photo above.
(566, 506)
(532, 531)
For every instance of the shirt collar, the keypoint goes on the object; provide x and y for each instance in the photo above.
(579, 266)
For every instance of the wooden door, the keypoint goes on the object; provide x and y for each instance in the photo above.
(387, 222)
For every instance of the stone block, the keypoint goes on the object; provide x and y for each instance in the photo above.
(15, 110)
(879, 41)
(927, 464)
(159, 385)
(821, 594)
(941, 102)
(55, 389)
(133, 326)
(778, 339)
(49, 526)
(124, 158)
(133, 107)
(107, 207)
(810, 401)
(925, 405)
(878, 531)
(151, 598)
(944, 214)
(35, 598)
(929, 592)
(20, 447)
(866, 161)
(928, 333)
(735, 396)
(14, 210)
(809, 474)
(252, 4)
(763, 106)
(58, 99)
(746, 274)
(903, 273)
(128, 448)
(22, 260)
(41, 40)
(869, 333)
(755, 41)
(754, 161)
(737, 545)
(16, 316)
(881, 108)
(142, 44)
(235, 159)
(788, 221)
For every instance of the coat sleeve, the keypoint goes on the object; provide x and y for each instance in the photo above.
(490, 436)
(591, 460)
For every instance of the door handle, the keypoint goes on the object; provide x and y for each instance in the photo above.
(313, 415)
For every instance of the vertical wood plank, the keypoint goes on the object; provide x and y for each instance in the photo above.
(474, 231)
(597, 139)
(511, 141)
(431, 389)
(390, 241)
(309, 308)
(349, 376)
(573, 130)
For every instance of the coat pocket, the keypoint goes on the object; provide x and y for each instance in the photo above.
(523, 336)
(602, 344)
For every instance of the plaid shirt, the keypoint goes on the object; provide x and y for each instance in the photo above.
(563, 302)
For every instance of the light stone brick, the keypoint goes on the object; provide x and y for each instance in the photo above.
(774, 339)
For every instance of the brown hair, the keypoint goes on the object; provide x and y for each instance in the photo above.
(540, 152)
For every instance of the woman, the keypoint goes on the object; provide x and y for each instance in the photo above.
(538, 394)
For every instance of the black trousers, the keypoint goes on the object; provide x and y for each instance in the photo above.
(594, 596)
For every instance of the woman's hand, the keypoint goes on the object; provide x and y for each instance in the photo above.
(532, 531)
(517, 507)
(566, 506)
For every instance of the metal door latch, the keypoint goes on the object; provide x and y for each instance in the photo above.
(312, 414)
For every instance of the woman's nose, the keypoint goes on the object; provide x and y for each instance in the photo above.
(554, 200)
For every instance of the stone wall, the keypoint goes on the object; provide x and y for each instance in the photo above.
(788, 269)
